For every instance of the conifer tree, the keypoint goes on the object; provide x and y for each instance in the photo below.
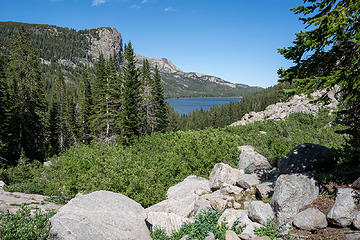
(86, 106)
(131, 97)
(147, 108)
(61, 102)
(161, 109)
(27, 93)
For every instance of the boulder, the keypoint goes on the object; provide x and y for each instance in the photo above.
(291, 193)
(231, 235)
(303, 158)
(184, 207)
(170, 222)
(230, 190)
(344, 209)
(356, 221)
(190, 185)
(356, 184)
(310, 219)
(210, 236)
(2, 185)
(250, 229)
(247, 180)
(222, 173)
(250, 160)
(353, 236)
(218, 204)
(100, 215)
(266, 189)
(230, 216)
(260, 212)
(203, 202)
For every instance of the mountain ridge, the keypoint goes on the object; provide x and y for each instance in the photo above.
(72, 49)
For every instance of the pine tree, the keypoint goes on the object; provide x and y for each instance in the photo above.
(27, 93)
(86, 106)
(147, 108)
(131, 97)
(61, 102)
(161, 109)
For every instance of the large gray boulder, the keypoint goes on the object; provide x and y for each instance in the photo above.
(247, 180)
(344, 209)
(310, 219)
(184, 207)
(230, 216)
(170, 222)
(302, 158)
(250, 160)
(191, 185)
(291, 193)
(100, 215)
(223, 174)
(260, 212)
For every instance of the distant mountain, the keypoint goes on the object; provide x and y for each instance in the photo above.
(71, 49)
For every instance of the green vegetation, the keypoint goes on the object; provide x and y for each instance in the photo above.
(328, 55)
(271, 230)
(23, 226)
(145, 170)
(204, 223)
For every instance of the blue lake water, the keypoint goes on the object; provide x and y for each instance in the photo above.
(187, 105)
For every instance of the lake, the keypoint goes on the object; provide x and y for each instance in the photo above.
(187, 105)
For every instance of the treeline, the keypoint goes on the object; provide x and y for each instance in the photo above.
(223, 115)
(118, 104)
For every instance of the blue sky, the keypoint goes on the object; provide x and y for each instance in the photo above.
(236, 40)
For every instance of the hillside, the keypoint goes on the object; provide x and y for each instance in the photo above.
(71, 49)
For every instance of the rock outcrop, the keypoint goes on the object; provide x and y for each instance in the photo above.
(100, 215)
(107, 42)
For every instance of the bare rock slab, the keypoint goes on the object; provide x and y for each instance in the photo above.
(169, 222)
(100, 215)
(344, 209)
(291, 193)
(223, 174)
(250, 160)
(302, 158)
(260, 212)
(191, 185)
(310, 219)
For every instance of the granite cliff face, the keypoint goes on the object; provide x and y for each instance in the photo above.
(108, 41)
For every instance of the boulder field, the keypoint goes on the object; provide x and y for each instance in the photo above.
(250, 195)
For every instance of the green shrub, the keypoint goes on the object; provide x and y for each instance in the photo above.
(271, 230)
(23, 226)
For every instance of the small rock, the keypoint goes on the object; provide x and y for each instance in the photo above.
(291, 193)
(310, 219)
(48, 163)
(231, 190)
(260, 212)
(344, 209)
(302, 158)
(250, 228)
(353, 236)
(247, 180)
(250, 160)
(266, 189)
(356, 184)
(229, 216)
(244, 236)
(210, 237)
(222, 173)
(231, 235)
(356, 221)
(2, 185)
(262, 238)
(218, 204)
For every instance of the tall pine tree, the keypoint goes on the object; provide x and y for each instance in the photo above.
(161, 109)
(131, 97)
(27, 93)
(86, 106)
